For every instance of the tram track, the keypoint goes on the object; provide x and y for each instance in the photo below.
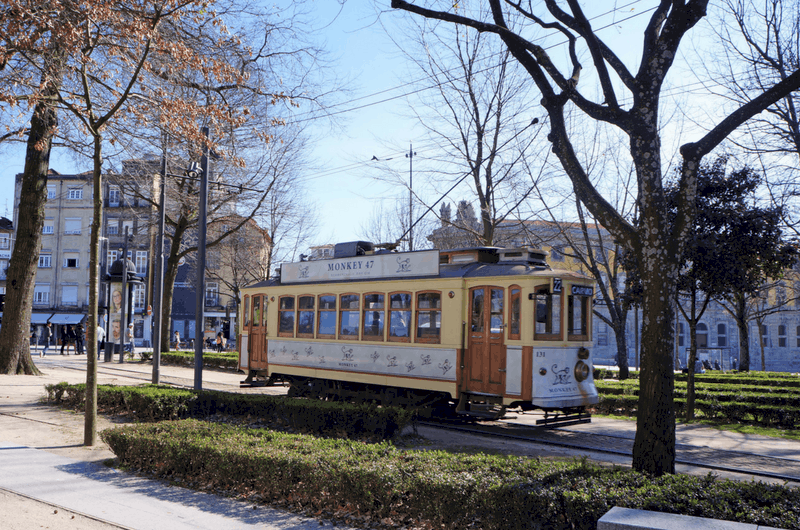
(739, 462)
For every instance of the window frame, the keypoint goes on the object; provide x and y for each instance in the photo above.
(75, 193)
(282, 310)
(512, 298)
(587, 313)
(783, 336)
(701, 330)
(45, 261)
(313, 312)
(418, 310)
(409, 310)
(724, 335)
(364, 311)
(544, 289)
(246, 320)
(335, 311)
(341, 308)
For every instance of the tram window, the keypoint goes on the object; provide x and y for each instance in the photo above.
(246, 311)
(305, 316)
(349, 316)
(477, 311)
(373, 317)
(578, 311)
(513, 313)
(256, 311)
(429, 317)
(496, 311)
(400, 317)
(286, 316)
(547, 325)
(327, 316)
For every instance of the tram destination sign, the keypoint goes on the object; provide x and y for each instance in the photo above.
(392, 265)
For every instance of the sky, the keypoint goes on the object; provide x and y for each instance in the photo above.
(342, 188)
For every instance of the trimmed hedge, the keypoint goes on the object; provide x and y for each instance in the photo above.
(151, 403)
(222, 361)
(370, 483)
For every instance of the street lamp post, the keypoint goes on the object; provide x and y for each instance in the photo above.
(200, 284)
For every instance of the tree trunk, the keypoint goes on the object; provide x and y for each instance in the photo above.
(691, 362)
(15, 356)
(744, 334)
(654, 444)
(170, 274)
(622, 347)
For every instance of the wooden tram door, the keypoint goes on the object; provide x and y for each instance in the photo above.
(258, 333)
(486, 349)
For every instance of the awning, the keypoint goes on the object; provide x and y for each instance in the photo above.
(40, 318)
(66, 318)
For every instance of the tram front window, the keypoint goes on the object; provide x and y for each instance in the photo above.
(400, 317)
(548, 315)
(429, 317)
(349, 316)
(579, 309)
(373, 316)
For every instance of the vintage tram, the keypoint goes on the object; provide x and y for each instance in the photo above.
(477, 329)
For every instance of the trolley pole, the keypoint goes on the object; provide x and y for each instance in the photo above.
(158, 298)
(410, 157)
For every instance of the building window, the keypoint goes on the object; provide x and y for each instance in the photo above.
(3, 268)
(429, 317)
(69, 294)
(45, 261)
(286, 316)
(783, 340)
(5, 242)
(680, 334)
(327, 316)
(41, 294)
(212, 293)
(765, 335)
(305, 316)
(48, 227)
(138, 297)
(400, 317)
(112, 226)
(71, 261)
(141, 262)
(702, 335)
(722, 335)
(798, 336)
(129, 226)
(72, 226)
(373, 316)
(51, 191)
(349, 316)
(113, 196)
(75, 193)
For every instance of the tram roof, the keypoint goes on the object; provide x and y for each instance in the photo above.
(447, 271)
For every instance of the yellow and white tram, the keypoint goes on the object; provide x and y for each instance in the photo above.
(476, 328)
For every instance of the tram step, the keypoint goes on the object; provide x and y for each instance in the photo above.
(563, 420)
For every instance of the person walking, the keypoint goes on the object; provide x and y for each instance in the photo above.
(129, 338)
(67, 338)
(48, 334)
(219, 342)
(177, 340)
(79, 340)
(101, 340)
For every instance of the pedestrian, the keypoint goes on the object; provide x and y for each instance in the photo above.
(129, 338)
(735, 364)
(79, 340)
(101, 340)
(219, 342)
(67, 338)
(177, 340)
(716, 364)
(48, 334)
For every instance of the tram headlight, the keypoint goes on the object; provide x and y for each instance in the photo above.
(581, 371)
(583, 353)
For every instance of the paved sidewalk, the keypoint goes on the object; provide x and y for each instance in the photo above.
(49, 479)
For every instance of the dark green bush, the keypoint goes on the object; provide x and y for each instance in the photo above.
(151, 403)
(436, 488)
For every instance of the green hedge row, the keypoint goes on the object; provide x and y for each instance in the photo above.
(722, 393)
(354, 481)
(151, 403)
(727, 412)
(222, 361)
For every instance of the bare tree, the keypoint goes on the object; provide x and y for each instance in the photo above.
(656, 240)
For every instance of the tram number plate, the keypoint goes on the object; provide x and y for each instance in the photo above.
(541, 354)
(556, 285)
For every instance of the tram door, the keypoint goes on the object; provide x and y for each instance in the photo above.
(486, 350)
(258, 353)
